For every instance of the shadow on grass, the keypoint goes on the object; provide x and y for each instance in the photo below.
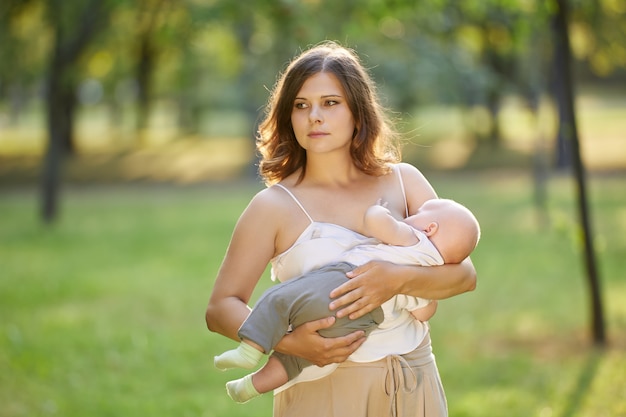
(583, 384)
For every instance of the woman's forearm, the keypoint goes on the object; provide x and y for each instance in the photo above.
(437, 282)
(375, 282)
(226, 316)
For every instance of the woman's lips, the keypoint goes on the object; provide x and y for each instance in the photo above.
(317, 134)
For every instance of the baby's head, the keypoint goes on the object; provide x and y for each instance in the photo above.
(451, 227)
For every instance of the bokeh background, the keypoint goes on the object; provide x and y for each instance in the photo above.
(127, 153)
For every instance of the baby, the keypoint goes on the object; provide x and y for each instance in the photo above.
(442, 231)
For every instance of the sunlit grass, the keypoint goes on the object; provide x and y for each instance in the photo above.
(102, 314)
(528, 347)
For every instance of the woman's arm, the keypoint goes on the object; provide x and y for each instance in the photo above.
(250, 249)
(252, 246)
(376, 282)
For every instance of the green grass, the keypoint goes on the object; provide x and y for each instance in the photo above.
(103, 313)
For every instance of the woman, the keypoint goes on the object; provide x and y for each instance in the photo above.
(327, 154)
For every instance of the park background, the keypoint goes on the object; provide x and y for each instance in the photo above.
(127, 154)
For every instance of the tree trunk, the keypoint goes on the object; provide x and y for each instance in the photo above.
(493, 105)
(561, 69)
(147, 51)
(58, 130)
(69, 43)
(145, 68)
(567, 127)
(60, 111)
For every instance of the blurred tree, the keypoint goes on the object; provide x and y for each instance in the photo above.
(598, 35)
(491, 35)
(188, 75)
(597, 38)
(20, 30)
(151, 18)
(246, 24)
(73, 23)
(568, 129)
(111, 60)
(221, 55)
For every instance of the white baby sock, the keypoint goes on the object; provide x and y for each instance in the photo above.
(245, 356)
(242, 390)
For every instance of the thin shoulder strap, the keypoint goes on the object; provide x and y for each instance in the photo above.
(296, 200)
(406, 204)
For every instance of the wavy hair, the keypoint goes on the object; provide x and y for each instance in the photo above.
(374, 144)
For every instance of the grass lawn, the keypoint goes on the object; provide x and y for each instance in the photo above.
(103, 313)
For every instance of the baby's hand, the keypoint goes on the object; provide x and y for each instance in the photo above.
(378, 211)
(380, 202)
(377, 219)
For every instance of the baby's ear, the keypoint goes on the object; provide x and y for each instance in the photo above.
(431, 229)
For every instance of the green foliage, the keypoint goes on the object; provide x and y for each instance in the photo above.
(203, 53)
(102, 314)
(20, 31)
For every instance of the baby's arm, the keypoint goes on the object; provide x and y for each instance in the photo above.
(426, 312)
(379, 223)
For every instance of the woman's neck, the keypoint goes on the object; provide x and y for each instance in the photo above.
(332, 171)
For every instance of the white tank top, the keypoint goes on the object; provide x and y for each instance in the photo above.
(322, 243)
(319, 244)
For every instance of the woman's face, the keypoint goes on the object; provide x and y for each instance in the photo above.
(321, 118)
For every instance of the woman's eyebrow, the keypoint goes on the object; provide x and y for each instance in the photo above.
(322, 96)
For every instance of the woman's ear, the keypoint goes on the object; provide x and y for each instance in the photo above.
(431, 229)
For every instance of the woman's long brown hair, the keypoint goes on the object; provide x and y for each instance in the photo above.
(374, 143)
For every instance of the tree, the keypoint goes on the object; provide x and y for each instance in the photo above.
(74, 24)
(569, 131)
(150, 18)
(20, 30)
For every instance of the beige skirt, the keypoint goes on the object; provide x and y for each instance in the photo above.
(397, 386)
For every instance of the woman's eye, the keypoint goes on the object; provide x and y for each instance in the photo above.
(332, 102)
(300, 105)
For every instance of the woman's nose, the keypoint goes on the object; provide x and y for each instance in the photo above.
(315, 116)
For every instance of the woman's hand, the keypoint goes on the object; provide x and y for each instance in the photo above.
(370, 285)
(306, 342)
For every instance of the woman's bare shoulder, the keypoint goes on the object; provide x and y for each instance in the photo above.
(409, 171)
(270, 202)
(275, 213)
(416, 185)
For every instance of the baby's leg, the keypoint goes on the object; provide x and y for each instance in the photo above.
(247, 356)
(268, 378)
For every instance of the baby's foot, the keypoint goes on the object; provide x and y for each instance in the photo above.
(242, 390)
(245, 356)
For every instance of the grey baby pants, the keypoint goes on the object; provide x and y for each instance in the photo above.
(297, 301)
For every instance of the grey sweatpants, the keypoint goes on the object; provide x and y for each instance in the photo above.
(297, 301)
